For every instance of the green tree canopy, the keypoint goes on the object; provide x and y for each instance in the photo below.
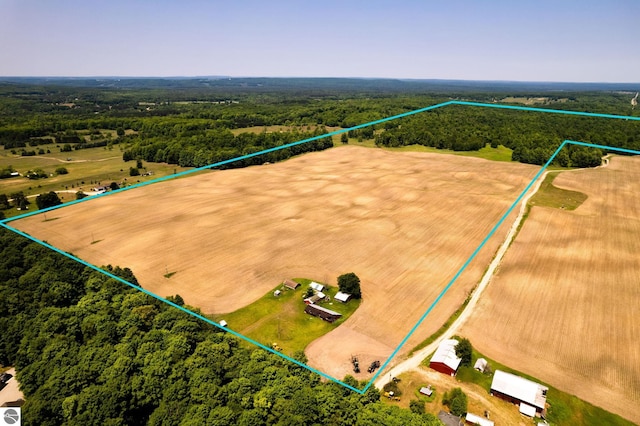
(48, 199)
(464, 351)
(4, 202)
(19, 200)
(350, 283)
(456, 400)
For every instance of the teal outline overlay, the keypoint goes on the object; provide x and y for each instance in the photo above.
(4, 222)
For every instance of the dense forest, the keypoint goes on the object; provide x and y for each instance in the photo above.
(90, 350)
(192, 122)
(532, 136)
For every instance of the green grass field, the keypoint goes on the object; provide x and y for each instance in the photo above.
(86, 168)
(564, 409)
(551, 196)
(282, 320)
(501, 153)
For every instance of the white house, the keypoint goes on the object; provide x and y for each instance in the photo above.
(316, 286)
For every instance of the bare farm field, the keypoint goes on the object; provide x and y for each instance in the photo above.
(403, 222)
(564, 304)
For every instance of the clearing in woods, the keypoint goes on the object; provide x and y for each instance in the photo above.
(403, 222)
(563, 305)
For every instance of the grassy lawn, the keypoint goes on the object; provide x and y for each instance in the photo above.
(501, 153)
(564, 409)
(551, 196)
(282, 320)
(86, 168)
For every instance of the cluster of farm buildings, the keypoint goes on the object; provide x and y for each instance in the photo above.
(312, 307)
(531, 397)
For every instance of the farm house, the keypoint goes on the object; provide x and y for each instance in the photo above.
(314, 299)
(445, 359)
(316, 286)
(325, 314)
(290, 284)
(531, 396)
(100, 189)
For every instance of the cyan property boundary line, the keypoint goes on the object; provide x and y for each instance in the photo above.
(4, 223)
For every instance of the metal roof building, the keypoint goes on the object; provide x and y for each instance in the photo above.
(324, 313)
(316, 286)
(445, 359)
(291, 284)
(342, 297)
(519, 390)
(477, 420)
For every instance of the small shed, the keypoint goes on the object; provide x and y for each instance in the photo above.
(480, 365)
(527, 410)
(223, 323)
(316, 286)
(324, 313)
(342, 297)
(426, 390)
(445, 359)
(277, 293)
(474, 419)
(290, 284)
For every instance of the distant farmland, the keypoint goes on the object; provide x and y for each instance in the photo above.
(404, 222)
(564, 304)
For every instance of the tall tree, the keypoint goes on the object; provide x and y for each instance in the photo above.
(464, 351)
(19, 200)
(350, 283)
(48, 199)
(4, 202)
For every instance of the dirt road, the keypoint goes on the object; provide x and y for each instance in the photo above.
(415, 360)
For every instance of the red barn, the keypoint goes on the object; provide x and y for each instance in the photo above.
(445, 359)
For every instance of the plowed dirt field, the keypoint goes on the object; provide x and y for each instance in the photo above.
(403, 222)
(564, 304)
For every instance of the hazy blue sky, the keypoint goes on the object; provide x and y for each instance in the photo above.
(541, 40)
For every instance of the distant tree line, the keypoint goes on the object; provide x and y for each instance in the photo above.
(208, 147)
(532, 136)
(166, 128)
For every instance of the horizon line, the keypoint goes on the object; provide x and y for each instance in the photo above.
(222, 77)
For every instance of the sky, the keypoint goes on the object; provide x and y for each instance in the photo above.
(514, 40)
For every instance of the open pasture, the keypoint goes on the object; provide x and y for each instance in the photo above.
(403, 222)
(564, 303)
(87, 168)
